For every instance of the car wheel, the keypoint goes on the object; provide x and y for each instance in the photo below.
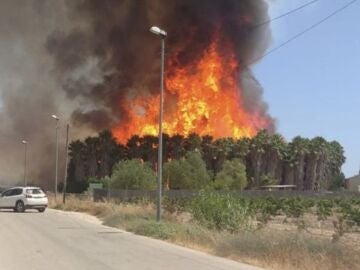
(20, 207)
(41, 210)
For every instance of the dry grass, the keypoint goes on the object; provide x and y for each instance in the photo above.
(275, 247)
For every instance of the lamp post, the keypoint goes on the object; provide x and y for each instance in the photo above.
(24, 142)
(56, 152)
(66, 162)
(162, 34)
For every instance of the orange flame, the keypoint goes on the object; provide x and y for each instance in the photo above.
(208, 101)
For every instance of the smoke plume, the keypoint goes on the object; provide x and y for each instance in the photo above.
(82, 59)
(110, 55)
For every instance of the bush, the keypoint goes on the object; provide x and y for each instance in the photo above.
(294, 207)
(232, 176)
(221, 211)
(133, 174)
(324, 209)
(266, 208)
(152, 228)
(187, 173)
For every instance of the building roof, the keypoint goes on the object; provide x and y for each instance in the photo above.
(355, 177)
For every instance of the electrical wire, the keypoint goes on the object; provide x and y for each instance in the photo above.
(285, 14)
(306, 30)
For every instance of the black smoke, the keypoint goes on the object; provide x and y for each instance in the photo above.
(115, 36)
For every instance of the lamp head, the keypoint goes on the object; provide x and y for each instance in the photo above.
(157, 31)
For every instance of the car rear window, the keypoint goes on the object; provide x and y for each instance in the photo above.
(34, 191)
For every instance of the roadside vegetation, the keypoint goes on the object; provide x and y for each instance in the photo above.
(275, 233)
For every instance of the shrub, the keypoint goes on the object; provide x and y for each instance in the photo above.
(187, 173)
(232, 176)
(221, 211)
(133, 174)
(324, 208)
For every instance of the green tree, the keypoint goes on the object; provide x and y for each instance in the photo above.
(149, 149)
(109, 152)
(335, 178)
(221, 152)
(256, 156)
(76, 171)
(133, 174)
(176, 147)
(232, 176)
(275, 149)
(91, 154)
(240, 149)
(187, 173)
(315, 162)
(133, 146)
(192, 143)
(299, 149)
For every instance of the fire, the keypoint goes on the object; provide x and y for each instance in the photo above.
(208, 101)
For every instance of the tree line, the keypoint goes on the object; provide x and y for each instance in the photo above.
(310, 164)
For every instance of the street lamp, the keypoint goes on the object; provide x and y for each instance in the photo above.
(162, 34)
(24, 142)
(56, 152)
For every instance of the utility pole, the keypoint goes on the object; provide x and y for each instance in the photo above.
(66, 162)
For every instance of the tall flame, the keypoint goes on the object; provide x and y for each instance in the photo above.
(208, 101)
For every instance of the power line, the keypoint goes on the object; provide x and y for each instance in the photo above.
(305, 31)
(285, 14)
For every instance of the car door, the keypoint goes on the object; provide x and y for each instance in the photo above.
(16, 195)
(6, 198)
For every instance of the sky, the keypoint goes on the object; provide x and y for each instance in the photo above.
(312, 84)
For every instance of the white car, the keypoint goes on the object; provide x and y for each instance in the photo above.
(22, 198)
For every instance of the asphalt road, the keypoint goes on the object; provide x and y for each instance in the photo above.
(58, 240)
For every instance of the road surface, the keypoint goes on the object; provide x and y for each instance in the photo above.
(59, 240)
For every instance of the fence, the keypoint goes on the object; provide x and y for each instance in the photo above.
(129, 195)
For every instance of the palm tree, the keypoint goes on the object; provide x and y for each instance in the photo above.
(91, 154)
(149, 149)
(76, 170)
(275, 147)
(133, 146)
(176, 146)
(208, 151)
(221, 149)
(315, 164)
(288, 166)
(110, 152)
(335, 160)
(255, 157)
(193, 143)
(300, 149)
(240, 149)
